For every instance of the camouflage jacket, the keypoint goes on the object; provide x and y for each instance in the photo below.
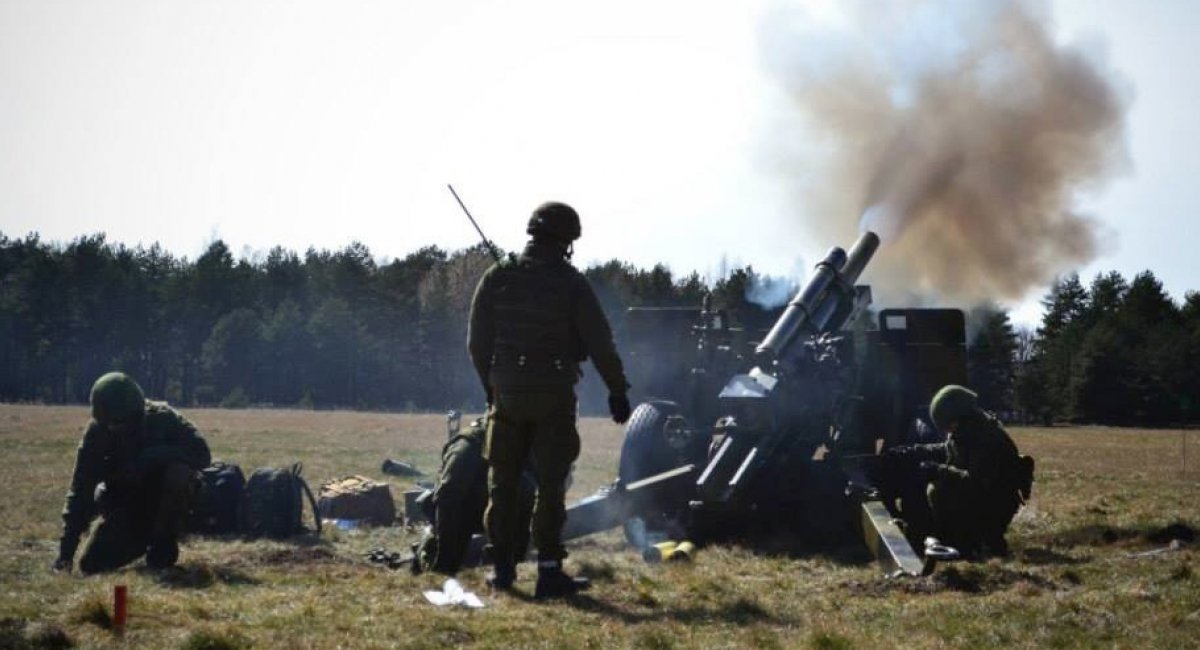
(979, 451)
(569, 299)
(164, 436)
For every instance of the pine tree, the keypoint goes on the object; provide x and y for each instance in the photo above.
(1058, 339)
(992, 353)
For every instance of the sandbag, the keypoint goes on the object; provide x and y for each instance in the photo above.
(357, 498)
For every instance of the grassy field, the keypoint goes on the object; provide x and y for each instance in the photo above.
(1092, 563)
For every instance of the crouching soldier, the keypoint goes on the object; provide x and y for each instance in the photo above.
(978, 480)
(458, 502)
(137, 467)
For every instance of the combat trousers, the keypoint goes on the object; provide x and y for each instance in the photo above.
(133, 515)
(968, 517)
(540, 423)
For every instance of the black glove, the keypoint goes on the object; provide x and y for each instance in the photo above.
(899, 451)
(66, 555)
(942, 470)
(618, 406)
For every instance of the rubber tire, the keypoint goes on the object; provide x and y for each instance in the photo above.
(645, 451)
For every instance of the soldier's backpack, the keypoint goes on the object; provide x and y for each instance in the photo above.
(216, 508)
(272, 505)
(357, 498)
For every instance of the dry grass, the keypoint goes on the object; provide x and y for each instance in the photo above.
(1081, 575)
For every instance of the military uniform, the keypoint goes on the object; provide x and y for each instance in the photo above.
(978, 477)
(140, 480)
(459, 500)
(533, 319)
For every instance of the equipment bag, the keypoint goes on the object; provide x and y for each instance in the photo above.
(271, 504)
(358, 498)
(216, 508)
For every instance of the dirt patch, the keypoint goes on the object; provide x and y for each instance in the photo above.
(968, 579)
(1095, 535)
(1103, 535)
(302, 555)
(1176, 531)
(1040, 556)
(12, 633)
(201, 575)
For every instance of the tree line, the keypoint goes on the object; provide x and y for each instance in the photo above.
(326, 329)
(340, 329)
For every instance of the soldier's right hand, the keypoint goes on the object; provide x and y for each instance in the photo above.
(618, 406)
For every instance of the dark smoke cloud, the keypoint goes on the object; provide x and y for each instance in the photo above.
(959, 131)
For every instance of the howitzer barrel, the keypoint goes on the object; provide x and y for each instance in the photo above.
(816, 304)
(860, 254)
(835, 306)
(799, 310)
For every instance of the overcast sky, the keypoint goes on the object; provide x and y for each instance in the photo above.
(302, 123)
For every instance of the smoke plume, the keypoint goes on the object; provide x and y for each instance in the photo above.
(960, 132)
(769, 291)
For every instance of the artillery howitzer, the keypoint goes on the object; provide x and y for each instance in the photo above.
(781, 443)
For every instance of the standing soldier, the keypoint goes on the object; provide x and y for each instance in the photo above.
(137, 468)
(534, 318)
(979, 479)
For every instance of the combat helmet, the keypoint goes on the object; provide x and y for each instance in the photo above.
(557, 221)
(116, 397)
(952, 402)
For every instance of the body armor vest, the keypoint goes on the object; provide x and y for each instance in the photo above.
(535, 338)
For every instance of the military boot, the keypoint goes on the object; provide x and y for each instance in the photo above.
(503, 575)
(996, 547)
(553, 582)
(162, 553)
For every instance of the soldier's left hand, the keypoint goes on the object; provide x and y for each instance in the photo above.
(618, 406)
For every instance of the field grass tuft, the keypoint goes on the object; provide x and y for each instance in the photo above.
(829, 641)
(215, 639)
(91, 609)
(48, 636)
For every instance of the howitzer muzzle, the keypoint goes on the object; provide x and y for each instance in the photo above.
(824, 299)
(860, 254)
(836, 304)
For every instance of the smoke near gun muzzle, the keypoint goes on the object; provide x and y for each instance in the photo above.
(770, 292)
(960, 132)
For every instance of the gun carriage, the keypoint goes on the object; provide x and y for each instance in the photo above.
(778, 441)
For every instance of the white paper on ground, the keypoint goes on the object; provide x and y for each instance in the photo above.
(452, 593)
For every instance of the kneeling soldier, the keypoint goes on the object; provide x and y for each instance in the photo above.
(137, 468)
(979, 479)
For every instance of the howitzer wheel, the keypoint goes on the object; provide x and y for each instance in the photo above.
(657, 438)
